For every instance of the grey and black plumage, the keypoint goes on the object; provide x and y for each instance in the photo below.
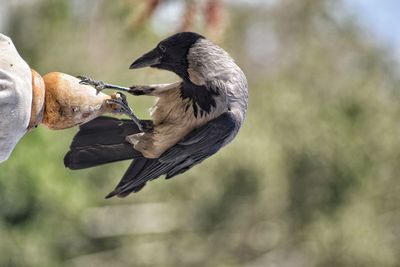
(192, 118)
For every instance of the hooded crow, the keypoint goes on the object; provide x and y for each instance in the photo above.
(192, 119)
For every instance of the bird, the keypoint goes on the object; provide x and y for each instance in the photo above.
(192, 118)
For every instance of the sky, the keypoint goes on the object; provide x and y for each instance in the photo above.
(382, 18)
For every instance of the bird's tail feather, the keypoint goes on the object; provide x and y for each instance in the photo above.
(101, 141)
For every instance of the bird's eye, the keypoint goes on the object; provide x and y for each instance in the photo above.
(162, 48)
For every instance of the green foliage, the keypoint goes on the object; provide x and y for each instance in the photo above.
(311, 180)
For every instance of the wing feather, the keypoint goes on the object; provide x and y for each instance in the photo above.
(191, 150)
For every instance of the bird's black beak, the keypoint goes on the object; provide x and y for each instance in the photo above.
(149, 59)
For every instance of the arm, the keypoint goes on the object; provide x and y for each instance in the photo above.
(15, 97)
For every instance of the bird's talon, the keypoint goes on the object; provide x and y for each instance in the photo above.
(113, 102)
(115, 105)
(146, 126)
(81, 77)
(84, 80)
(123, 98)
(98, 85)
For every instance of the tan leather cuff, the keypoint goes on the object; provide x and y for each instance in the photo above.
(59, 101)
(38, 93)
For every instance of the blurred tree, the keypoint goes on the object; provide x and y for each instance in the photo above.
(310, 181)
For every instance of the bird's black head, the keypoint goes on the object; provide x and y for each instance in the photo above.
(170, 54)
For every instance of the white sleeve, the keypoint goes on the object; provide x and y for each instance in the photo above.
(15, 97)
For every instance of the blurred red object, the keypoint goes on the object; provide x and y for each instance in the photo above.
(212, 12)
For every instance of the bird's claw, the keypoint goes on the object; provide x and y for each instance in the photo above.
(143, 125)
(122, 97)
(118, 102)
(146, 126)
(98, 85)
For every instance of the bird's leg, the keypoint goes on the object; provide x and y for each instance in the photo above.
(143, 125)
(154, 89)
(100, 86)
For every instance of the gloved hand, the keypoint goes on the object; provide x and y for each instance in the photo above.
(27, 99)
(15, 97)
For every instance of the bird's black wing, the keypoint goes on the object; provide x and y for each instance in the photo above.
(191, 150)
(101, 141)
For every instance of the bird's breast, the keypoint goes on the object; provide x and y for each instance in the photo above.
(175, 116)
(192, 111)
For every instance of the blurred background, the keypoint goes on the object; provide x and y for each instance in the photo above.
(311, 180)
